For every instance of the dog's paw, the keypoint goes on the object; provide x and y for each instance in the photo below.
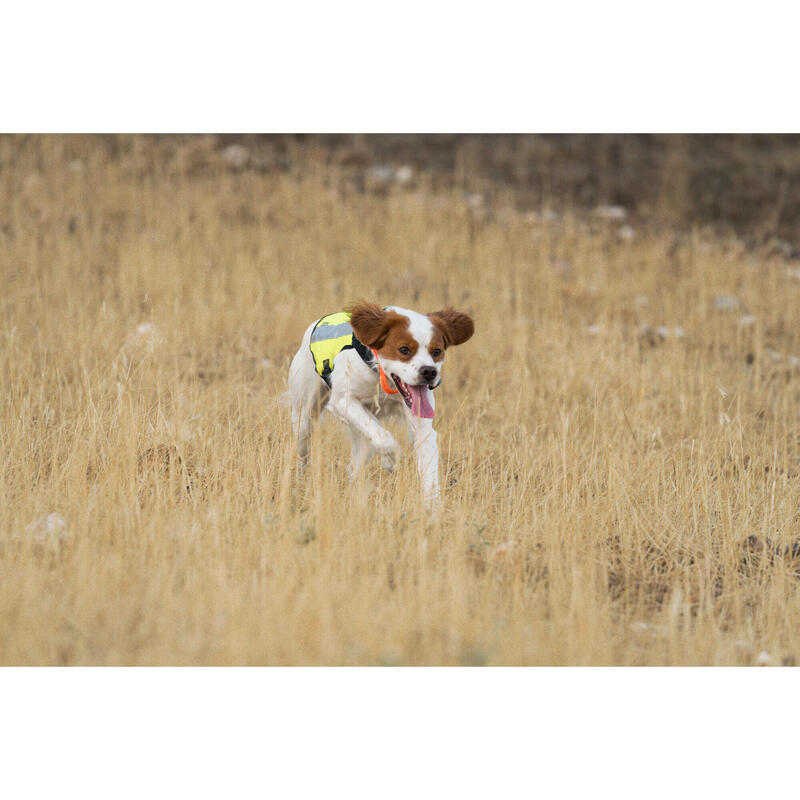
(389, 460)
(389, 452)
(385, 444)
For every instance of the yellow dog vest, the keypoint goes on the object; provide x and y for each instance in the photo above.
(330, 336)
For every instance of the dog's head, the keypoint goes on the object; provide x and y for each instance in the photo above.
(411, 346)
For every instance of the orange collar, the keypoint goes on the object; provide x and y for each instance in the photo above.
(384, 382)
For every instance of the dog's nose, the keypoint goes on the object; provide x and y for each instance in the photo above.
(427, 374)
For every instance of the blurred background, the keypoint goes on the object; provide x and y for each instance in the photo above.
(744, 184)
(747, 183)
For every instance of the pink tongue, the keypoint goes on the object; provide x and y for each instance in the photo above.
(420, 407)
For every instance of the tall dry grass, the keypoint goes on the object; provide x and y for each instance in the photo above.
(613, 494)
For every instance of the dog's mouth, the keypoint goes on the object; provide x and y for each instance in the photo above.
(415, 397)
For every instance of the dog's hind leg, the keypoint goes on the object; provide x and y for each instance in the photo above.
(306, 393)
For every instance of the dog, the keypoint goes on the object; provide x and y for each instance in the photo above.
(369, 362)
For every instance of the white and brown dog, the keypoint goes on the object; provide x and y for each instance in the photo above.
(342, 366)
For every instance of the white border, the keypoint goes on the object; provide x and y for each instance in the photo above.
(419, 66)
(398, 733)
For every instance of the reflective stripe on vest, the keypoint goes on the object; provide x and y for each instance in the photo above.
(330, 336)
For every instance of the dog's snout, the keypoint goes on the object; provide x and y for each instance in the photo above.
(428, 374)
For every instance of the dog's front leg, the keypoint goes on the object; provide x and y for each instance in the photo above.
(354, 414)
(426, 448)
(361, 452)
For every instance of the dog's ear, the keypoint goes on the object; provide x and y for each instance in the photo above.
(370, 324)
(455, 326)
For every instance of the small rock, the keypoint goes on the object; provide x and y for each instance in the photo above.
(145, 336)
(626, 233)
(236, 156)
(49, 528)
(75, 166)
(726, 302)
(764, 659)
(611, 212)
(747, 321)
(793, 273)
(641, 300)
(404, 175)
(594, 330)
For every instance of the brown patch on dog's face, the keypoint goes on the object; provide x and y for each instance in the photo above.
(437, 345)
(372, 325)
(399, 344)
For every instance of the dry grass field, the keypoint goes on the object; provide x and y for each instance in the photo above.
(620, 440)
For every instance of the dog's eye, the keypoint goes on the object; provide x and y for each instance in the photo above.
(405, 351)
(436, 353)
